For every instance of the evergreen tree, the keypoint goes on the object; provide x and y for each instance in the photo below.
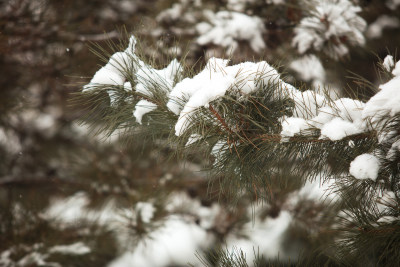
(222, 159)
(266, 139)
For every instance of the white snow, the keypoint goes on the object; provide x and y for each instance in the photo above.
(213, 82)
(193, 138)
(396, 70)
(78, 248)
(263, 235)
(182, 203)
(149, 78)
(385, 102)
(338, 129)
(388, 63)
(172, 13)
(376, 28)
(292, 126)
(9, 141)
(330, 20)
(387, 219)
(336, 120)
(342, 119)
(309, 69)
(143, 107)
(128, 87)
(69, 210)
(115, 71)
(183, 11)
(365, 166)
(146, 211)
(112, 73)
(5, 257)
(189, 86)
(209, 92)
(307, 103)
(36, 256)
(36, 259)
(175, 243)
(317, 190)
(225, 28)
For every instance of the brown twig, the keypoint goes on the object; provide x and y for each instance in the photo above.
(220, 119)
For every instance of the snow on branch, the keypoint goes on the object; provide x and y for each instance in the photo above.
(330, 27)
(312, 115)
(227, 28)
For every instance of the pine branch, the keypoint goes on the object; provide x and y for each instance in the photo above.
(219, 118)
(270, 134)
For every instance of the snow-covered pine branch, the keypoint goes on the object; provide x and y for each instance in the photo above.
(217, 96)
(227, 28)
(312, 177)
(260, 129)
(330, 27)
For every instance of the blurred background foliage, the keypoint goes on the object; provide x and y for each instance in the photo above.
(45, 153)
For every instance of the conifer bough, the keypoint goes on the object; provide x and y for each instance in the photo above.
(251, 121)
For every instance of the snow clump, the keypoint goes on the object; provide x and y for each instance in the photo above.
(264, 235)
(183, 11)
(147, 78)
(227, 28)
(173, 244)
(115, 71)
(146, 211)
(213, 82)
(77, 248)
(332, 25)
(376, 28)
(336, 120)
(386, 101)
(309, 69)
(388, 63)
(365, 166)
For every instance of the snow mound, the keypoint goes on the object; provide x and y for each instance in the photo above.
(332, 25)
(227, 28)
(365, 166)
